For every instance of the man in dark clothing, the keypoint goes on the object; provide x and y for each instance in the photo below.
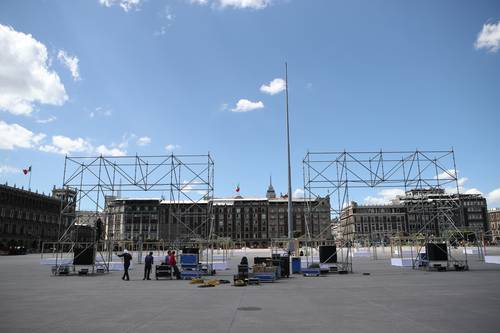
(127, 258)
(148, 263)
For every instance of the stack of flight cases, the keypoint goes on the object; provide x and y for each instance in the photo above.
(276, 267)
(189, 260)
(163, 271)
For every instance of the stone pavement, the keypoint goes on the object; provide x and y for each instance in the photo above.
(391, 299)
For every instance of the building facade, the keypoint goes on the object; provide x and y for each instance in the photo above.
(246, 220)
(494, 224)
(28, 218)
(418, 211)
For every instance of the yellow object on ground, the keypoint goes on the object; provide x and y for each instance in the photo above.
(196, 281)
(212, 282)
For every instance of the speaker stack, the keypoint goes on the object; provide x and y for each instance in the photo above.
(328, 254)
(84, 256)
(436, 251)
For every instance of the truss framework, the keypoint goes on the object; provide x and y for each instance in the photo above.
(335, 174)
(185, 182)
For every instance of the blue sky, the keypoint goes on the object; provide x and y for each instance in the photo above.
(364, 75)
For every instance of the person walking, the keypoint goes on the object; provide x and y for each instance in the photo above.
(167, 258)
(173, 262)
(148, 263)
(127, 258)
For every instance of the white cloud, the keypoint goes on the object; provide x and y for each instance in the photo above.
(446, 175)
(171, 147)
(236, 4)
(9, 169)
(101, 111)
(143, 141)
(64, 145)
(298, 193)
(25, 76)
(489, 37)
(105, 151)
(473, 191)
(461, 181)
(494, 197)
(274, 87)
(70, 62)
(244, 105)
(243, 4)
(199, 2)
(15, 136)
(46, 121)
(195, 187)
(384, 197)
(126, 5)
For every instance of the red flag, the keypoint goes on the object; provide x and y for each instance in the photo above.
(26, 171)
(238, 188)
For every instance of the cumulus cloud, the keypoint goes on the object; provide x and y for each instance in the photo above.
(65, 145)
(274, 87)
(110, 151)
(126, 5)
(473, 191)
(446, 175)
(143, 141)
(489, 37)
(298, 193)
(244, 105)
(26, 77)
(193, 186)
(171, 147)
(70, 62)
(494, 197)
(384, 197)
(4, 168)
(15, 136)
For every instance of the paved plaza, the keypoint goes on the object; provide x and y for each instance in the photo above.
(390, 299)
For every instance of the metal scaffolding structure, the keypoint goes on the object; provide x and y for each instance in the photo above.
(184, 182)
(337, 175)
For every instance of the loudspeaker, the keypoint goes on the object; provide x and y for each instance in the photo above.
(98, 229)
(285, 266)
(436, 251)
(328, 254)
(84, 256)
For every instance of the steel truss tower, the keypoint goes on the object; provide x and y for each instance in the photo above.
(336, 175)
(185, 182)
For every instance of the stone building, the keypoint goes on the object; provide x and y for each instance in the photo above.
(494, 223)
(415, 212)
(132, 219)
(28, 218)
(247, 220)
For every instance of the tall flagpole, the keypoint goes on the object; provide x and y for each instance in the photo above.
(29, 182)
(290, 208)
